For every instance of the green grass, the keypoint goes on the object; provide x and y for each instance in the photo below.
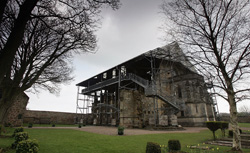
(7, 140)
(74, 141)
(50, 125)
(244, 125)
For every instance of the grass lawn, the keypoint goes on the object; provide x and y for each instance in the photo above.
(50, 125)
(73, 141)
(244, 125)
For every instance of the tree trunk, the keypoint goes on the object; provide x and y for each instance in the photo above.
(6, 101)
(15, 38)
(214, 135)
(3, 113)
(234, 124)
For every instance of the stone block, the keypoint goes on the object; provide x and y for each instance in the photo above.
(151, 121)
(95, 121)
(173, 120)
(113, 122)
(163, 120)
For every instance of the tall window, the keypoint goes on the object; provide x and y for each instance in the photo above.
(123, 70)
(104, 75)
(114, 73)
(179, 92)
(182, 113)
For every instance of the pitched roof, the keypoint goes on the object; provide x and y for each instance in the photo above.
(170, 52)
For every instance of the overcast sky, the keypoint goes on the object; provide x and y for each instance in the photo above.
(124, 34)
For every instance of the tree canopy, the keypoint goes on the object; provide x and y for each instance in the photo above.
(38, 39)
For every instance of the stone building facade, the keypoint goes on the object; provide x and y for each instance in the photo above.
(157, 88)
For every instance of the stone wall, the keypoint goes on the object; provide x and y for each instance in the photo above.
(15, 114)
(127, 109)
(189, 89)
(198, 106)
(137, 110)
(241, 119)
(48, 117)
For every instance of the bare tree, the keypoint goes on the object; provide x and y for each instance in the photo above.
(14, 15)
(54, 31)
(216, 37)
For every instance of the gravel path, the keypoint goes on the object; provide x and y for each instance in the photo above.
(113, 130)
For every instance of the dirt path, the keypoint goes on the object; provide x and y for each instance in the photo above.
(113, 130)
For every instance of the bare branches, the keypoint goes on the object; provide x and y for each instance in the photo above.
(219, 35)
(72, 19)
(38, 39)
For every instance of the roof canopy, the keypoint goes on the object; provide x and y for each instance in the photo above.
(171, 52)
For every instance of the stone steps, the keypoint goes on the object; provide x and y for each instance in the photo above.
(245, 136)
(229, 142)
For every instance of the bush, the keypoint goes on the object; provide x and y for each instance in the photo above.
(174, 145)
(20, 136)
(223, 126)
(153, 148)
(27, 146)
(7, 125)
(120, 130)
(30, 125)
(17, 130)
(213, 126)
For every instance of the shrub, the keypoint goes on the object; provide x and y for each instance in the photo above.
(7, 125)
(153, 148)
(213, 126)
(223, 126)
(17, 130)
(174, 145)
(20, 136)
(120, 130)
(30, 125)
(27, 146)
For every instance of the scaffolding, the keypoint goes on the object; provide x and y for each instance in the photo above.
(211, 88)
(83, 106)
(100, 94)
